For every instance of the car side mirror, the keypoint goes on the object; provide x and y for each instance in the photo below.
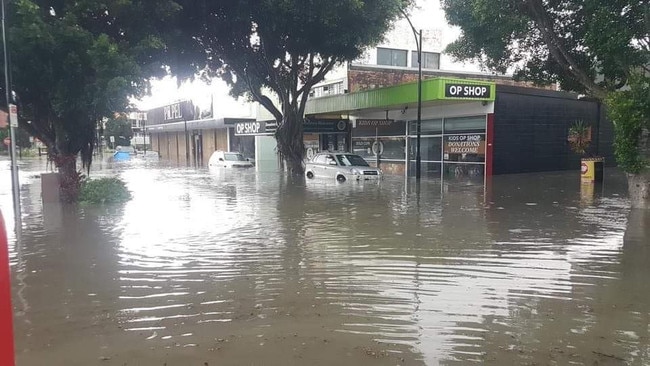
(332, 162)
(220, 159)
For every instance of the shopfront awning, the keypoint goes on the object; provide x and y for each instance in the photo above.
(201, 124)
(435, 89)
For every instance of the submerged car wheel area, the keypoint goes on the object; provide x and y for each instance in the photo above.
(341, 166)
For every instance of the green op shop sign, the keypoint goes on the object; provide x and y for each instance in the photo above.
(467, 91)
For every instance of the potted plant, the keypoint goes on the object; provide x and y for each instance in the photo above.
(579, 138)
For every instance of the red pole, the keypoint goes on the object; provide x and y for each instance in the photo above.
(6, 310)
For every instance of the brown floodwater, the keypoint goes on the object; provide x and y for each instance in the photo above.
(239, 268)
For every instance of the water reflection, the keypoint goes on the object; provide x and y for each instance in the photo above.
(247, 268)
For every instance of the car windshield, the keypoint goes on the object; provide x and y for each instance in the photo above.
(351, 160)
(233, 157)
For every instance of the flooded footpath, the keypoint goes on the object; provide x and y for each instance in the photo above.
(239, 268)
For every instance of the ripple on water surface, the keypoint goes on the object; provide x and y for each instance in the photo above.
(450, 274)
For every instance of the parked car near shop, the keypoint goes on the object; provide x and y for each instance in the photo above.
(341, 166)
(223, 159)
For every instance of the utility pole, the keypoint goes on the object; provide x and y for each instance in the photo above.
(418, 42)
(187, 143)
(144, 132)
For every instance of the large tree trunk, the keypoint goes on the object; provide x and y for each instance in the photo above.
(70, 176)
(290, 142)
(639, 184)
(639, 190)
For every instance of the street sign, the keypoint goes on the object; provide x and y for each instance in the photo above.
(13, 115)
(112, 138)
(7, 141)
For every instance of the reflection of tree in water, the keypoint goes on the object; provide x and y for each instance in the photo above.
(584, 297)
(70, 276)
(601, 320)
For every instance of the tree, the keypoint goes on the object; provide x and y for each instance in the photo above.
(120, 129)
(597, 47)
(4, 133)
(22, 138)
(74, 63)
(285, 47)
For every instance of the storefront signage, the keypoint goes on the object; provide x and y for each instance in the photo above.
(374, 122)
(464, 144)
(467, 91)
(379, 127)
(313, 125)
(250, 128)
(171, 113)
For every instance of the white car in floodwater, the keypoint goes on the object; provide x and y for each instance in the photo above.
(341, 166)
(222, 159)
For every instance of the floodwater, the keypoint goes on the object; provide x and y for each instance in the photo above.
(239, 268)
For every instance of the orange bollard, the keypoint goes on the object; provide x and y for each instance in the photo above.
(6, 310)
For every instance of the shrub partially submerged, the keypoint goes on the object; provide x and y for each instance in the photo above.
(104, 190)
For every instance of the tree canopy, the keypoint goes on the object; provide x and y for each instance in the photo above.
(120, 129)
(590, 46)
(74, 63)
(285, 47)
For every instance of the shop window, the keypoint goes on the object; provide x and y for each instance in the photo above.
(430, 60)
(427, 169)
(391, 57)
(465, 124)
(430, 148)
(363, 148)
(468, 173)
(393, 148)
(428, 127)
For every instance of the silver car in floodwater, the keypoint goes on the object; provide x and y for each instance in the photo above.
(341, 166)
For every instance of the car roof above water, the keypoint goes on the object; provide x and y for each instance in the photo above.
(335, 153)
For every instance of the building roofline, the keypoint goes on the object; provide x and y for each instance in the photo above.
(431, 72)
(199, 124)
(539, 92)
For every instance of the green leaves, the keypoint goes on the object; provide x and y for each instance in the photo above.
(630, 111)
(120, 129)
(104, 191)
(571, 42)
(74, 63)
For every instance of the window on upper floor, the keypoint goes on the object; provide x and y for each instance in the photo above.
(430, 60)
(391, 57)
